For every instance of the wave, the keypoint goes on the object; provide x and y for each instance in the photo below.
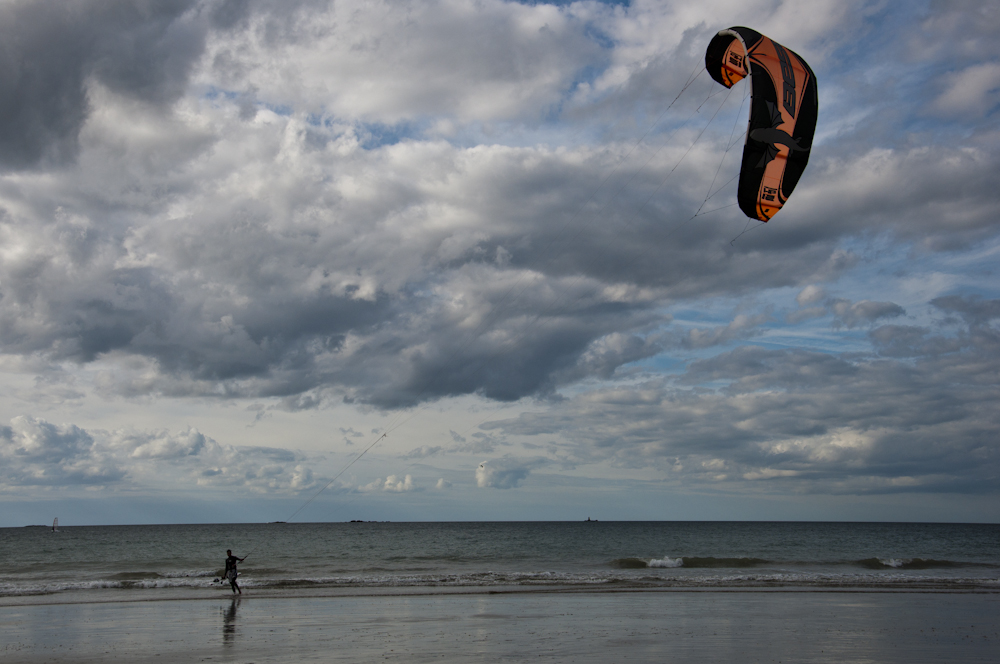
(912, 563)
(48, 588)
(714, 562)
(624, 578)
(135, 576)
(723, 562)
(667, 562)
(689, 562)
(632, 563)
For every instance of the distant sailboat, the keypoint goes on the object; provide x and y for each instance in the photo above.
(55, 525)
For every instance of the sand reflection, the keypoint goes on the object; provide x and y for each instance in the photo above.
(229, 622)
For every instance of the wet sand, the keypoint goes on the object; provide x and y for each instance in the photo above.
(540, 626)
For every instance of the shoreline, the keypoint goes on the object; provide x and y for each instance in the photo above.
(118, 596)
(582, 626)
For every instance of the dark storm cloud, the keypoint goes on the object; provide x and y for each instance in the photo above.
(139, 48)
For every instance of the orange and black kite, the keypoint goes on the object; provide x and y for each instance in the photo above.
(782, 115)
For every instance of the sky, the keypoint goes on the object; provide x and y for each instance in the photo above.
(480, 260)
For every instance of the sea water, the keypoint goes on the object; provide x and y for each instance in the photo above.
(286, 558)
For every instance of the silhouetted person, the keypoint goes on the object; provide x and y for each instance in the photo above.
(231, 572)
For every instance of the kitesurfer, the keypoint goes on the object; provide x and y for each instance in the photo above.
(231, 572)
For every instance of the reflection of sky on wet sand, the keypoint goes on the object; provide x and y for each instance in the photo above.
(818, 627)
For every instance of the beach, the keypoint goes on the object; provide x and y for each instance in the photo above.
(505, 625)
(503, 592)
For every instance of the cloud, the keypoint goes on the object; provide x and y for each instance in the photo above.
(911, 341)
(973, 91)
(392, 484)
(482, 443)
(314, 205)
(51, 58)
(350, 435)
(162, 444)
(391, 65)
(976, 311)
(196, 249)
(506, 472)
(806, 421)
(423, 452)
(741, 327)
(845, 313)
(852, 314)
(811, 294)
(751, 369)
(38, 453)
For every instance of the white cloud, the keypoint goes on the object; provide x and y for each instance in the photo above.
(391, 484)
(390, 63)
(506, 472)
(36, 452)
(811, 294)
(975, 91)
(162, 444)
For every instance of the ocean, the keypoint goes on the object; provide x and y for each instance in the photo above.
(289, 558)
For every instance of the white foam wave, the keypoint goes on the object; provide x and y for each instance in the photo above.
(892, 562)
(667, 562)
(188, 574)
(40, 588)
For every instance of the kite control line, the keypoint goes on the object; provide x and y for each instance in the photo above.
(332, 480)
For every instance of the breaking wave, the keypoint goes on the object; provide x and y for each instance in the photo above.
(692, 562)
(625, 577)
(909, 563)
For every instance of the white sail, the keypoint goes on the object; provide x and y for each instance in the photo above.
(55, 525)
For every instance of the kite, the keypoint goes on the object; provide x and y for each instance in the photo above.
(783, 111)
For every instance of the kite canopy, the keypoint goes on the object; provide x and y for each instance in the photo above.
(782, 115)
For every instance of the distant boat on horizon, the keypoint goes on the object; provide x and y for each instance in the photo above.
(55, 525)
